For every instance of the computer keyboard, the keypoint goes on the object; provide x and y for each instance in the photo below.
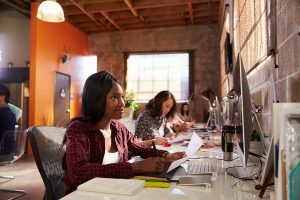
(202, 166)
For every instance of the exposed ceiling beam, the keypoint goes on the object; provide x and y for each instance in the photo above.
(106, 15)
(133, 11)
(191, 12)
(24, 8)
(81, 7)
(138, 4)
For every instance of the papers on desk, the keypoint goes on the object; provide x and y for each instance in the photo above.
(112, 186)
(178, 139)
(195, 143)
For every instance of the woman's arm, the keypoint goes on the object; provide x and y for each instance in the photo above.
(157, 140)
(79, 166)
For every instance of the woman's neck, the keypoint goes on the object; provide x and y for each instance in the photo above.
(103, 124)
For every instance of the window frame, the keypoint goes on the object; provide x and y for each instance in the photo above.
(191, 66)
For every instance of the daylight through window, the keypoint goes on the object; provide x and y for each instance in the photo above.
(148, 74)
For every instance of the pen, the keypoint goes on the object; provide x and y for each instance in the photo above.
(154, 147)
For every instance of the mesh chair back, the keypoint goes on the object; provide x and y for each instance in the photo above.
(48, 152)
(12, 146)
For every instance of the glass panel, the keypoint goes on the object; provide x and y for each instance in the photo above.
(148, 74)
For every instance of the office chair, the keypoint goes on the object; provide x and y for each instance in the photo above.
(48, 152)
(12, 147)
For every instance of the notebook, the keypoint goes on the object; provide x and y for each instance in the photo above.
(109, 185)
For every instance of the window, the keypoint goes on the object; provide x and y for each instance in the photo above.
(148, 74)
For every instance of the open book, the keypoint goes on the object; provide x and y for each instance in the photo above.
(112, 186)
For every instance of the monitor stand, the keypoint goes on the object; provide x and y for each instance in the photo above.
(244, 173)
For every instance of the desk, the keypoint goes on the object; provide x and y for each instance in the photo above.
(222, 188)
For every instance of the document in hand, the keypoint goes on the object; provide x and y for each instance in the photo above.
(195, 143)
(112, 186)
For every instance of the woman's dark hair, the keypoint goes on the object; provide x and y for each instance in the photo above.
(5, 92)
(155, 104)
(94, 94)
(182, 111)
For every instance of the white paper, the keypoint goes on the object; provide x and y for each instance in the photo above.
(194, 145)
(179, 138)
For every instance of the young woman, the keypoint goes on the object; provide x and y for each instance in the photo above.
(151, 125)
(185, 113)
(97, 145)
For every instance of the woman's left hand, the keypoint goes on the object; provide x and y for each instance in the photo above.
(174, 156)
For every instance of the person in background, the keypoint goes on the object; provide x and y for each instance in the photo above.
(7, 117)
(177, 124)
(152, 125)
(184, 114)
(97, 144)
(17, 111)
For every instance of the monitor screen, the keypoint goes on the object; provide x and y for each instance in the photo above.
(244, 124)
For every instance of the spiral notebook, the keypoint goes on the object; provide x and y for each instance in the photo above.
(109, 185)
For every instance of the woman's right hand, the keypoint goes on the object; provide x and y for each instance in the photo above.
(149, 165)
(160, 140)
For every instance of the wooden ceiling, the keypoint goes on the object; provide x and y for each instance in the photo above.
(92, 16)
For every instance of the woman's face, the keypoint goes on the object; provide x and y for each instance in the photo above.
(185, 108)
(166, 106)
(114, 103)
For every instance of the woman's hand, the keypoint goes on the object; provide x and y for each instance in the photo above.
(151, 165)
(160, 140)
(174, 156)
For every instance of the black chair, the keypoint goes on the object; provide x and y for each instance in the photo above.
(12, 147)
(48, 152)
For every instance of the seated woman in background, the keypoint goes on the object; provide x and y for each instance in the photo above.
(177, 124)
(97, 144)
(151, 125)
(184, 114)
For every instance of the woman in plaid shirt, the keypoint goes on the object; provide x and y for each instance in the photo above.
(97, 144)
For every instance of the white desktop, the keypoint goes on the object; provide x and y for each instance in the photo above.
(224, 186)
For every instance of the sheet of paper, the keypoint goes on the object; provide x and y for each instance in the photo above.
(179, 138)
(194, 145)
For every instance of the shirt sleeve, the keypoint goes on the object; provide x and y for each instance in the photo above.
(79, 167)
(167, 128)
(144, 127)
(140, 149)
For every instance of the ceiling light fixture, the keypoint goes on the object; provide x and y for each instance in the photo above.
(50, 11)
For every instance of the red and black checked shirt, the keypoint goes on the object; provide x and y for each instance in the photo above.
(85, 150)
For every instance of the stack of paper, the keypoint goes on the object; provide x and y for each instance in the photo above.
(112, 186)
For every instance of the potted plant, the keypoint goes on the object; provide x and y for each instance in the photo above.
(130, 105)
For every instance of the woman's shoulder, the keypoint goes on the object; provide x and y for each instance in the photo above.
(78, 126)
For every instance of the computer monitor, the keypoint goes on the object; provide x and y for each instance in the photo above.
(244, 124)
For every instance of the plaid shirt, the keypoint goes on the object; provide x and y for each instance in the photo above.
(85, 150)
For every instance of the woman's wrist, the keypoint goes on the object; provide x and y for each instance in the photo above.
(165, 154)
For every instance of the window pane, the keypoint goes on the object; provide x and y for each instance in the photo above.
(148, 74)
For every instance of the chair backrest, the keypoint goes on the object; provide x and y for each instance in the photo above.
(12, 146)
(48, 152)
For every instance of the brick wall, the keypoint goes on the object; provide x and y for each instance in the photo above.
(203, 40)
(260, 26)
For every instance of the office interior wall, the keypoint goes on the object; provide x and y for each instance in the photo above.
(49, 41)
(203, 40)
(260, 26)
(14, 39)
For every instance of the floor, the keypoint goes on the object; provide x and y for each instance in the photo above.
(27, 178)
